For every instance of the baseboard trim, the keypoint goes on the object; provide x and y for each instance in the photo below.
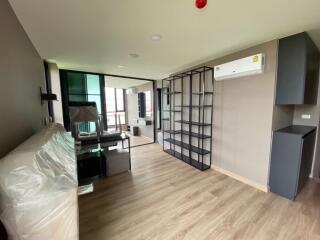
(240, 178)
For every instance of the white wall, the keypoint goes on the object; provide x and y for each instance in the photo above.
(133, 111)
(132, 108)
(56, 89)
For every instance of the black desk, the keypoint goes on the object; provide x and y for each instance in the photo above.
(92, 160)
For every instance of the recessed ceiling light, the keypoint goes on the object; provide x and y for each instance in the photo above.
(156, 37)
(121, 66)
(134, 55)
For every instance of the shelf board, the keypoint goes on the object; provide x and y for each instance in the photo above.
(193, 123)
(172, 110)
(170, 93)
(188, 160)
(194, 106)
(171, 132)
(165, 119)
(201, 93)
(187, 146)
(193, 134)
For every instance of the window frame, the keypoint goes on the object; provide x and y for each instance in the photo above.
(116, 107)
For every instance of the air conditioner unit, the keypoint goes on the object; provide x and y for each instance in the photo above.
(131, 90)
(240, 68)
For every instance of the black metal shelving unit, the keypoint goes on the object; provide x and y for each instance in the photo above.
(188, 116)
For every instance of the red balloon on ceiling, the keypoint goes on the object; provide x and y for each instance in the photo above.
(201, 3)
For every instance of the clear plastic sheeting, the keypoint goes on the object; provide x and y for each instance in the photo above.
(38, 188)
(57, 161)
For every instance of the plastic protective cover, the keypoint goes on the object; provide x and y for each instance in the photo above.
(38, 188)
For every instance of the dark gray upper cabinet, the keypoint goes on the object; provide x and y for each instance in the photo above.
(298, 70)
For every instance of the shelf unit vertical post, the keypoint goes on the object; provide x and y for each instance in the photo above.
(199, 110)
(181, 112)
(182, 148)
(203, 103)
(211, 114)
(170, 109)
(173, 115)
(162, 113)
(190, 117)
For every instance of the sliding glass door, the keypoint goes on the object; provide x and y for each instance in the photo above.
(123, 103)
(81, 87)
(130, 106)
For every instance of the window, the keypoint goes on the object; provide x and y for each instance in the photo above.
(115, 106)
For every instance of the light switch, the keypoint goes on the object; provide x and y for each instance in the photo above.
(306, 116)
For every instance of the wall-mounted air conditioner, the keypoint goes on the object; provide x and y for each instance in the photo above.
(240, 68)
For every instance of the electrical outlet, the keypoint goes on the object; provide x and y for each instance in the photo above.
(306, 116)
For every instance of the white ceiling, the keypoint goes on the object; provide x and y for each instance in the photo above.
(99, 35)
(125, 83)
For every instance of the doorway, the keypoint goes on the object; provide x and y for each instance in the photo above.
(130, 106)
(125, 104)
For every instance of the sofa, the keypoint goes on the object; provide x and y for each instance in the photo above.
(38, 188)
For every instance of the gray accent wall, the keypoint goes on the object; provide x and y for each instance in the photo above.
(243, 116)
(282, 116)
(21, 75)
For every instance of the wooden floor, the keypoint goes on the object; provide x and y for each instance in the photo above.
(164, 198)
(138, 140)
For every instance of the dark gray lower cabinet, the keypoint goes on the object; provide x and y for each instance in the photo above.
(291, 159)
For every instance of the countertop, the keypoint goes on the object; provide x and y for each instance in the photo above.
(297, 129)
